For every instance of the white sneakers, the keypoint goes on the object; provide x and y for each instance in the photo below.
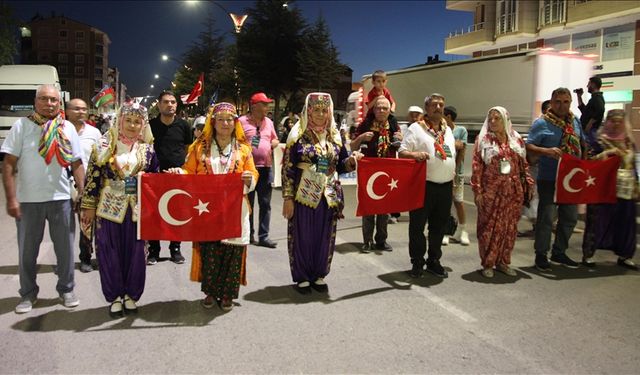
(461, 236)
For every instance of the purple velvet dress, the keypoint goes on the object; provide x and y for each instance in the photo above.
(312, 231)
(121, 256)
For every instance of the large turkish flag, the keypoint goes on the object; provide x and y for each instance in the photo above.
(190, 207)
(586, 181)
(390, 185)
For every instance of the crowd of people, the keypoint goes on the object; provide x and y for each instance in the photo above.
(68, 167)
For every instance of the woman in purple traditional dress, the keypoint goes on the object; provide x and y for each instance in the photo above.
(313, 198)
(110, 198)
(613, 226)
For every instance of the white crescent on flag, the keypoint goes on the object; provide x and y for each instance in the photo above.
(163, 207)
(567, 179)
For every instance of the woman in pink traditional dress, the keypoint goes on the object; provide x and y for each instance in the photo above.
(498, 162)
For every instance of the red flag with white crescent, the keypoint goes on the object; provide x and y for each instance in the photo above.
(190, 207)
(388, 185)
(198, 89)
(586, 181)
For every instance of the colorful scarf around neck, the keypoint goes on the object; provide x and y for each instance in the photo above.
(383, 138)
(570, 142)
(438, 136)
(53, 141)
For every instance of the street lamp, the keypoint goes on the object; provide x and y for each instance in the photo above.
(158, 76)
(166, 57)
(238, 20)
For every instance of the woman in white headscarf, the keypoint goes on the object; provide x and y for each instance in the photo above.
(313, 198)
(499, 178)
(110, 198)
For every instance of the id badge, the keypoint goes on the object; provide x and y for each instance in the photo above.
(447, 150)
(505, 166)
(323, 165)
(255, 141)
(130, 185)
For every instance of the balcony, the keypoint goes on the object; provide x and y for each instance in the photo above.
(472, 38)
(586, 12)
(467, 5)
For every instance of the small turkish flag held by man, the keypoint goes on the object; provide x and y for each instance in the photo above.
(586, 181)
(390, 185)
(190, 207)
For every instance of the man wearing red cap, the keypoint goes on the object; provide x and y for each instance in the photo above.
(259, 130)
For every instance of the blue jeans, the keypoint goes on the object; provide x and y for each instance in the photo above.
(263, 189)
(567, 219)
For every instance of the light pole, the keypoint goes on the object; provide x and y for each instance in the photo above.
(158, 76)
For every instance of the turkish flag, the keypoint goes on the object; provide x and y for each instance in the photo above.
(190, 207)
(388, 185)
(586, 181)
(197, 90)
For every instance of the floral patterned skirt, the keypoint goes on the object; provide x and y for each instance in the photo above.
(221, 265)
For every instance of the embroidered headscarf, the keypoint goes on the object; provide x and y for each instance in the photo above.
(487, 145)
(315, 99)
(208, 132)
(53, 141)
(610, 132)
(107, 145)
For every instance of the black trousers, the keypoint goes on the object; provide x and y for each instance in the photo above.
(435, 211)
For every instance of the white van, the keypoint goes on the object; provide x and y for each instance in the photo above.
(18, 84)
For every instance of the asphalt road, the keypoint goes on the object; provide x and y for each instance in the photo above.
(375, 319)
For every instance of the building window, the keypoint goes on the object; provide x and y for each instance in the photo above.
(62, 33)
(79, 59)
(79, 70)
(80, 94)
(99, 61)
(62, 45)
(99, 48)
(80, 46)
(507, 11)
(63, 82)
(79, 83)
(43, 57)
(62, 57)
(62, 69)
(98, 72)
(551, 12)
(97, 84)
(79, 35)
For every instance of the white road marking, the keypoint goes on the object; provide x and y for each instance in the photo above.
(439, 301)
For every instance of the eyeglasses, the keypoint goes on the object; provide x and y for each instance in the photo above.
(51, 99)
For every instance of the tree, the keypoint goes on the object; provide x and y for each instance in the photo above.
(8, 28)
(266, 50)
(207, 54)
(320, 67)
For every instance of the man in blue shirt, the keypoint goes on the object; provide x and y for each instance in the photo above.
(553, 134)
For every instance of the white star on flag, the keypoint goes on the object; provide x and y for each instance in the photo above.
(393, 184)
(590, 181)
(201, 207)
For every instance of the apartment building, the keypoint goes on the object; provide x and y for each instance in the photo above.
(605, 30)
(79, 52)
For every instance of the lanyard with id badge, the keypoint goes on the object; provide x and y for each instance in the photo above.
(505, 164)
(255, 141)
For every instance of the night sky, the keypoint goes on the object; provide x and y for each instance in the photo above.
(369, 35)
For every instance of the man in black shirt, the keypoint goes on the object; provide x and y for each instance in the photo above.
(172, 136)
(593, 111)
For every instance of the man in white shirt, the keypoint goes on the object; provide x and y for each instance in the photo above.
(89, 136)
(431, 140)
(40, 149)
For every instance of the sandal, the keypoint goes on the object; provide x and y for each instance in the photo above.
(208, 302)
(226, 304)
